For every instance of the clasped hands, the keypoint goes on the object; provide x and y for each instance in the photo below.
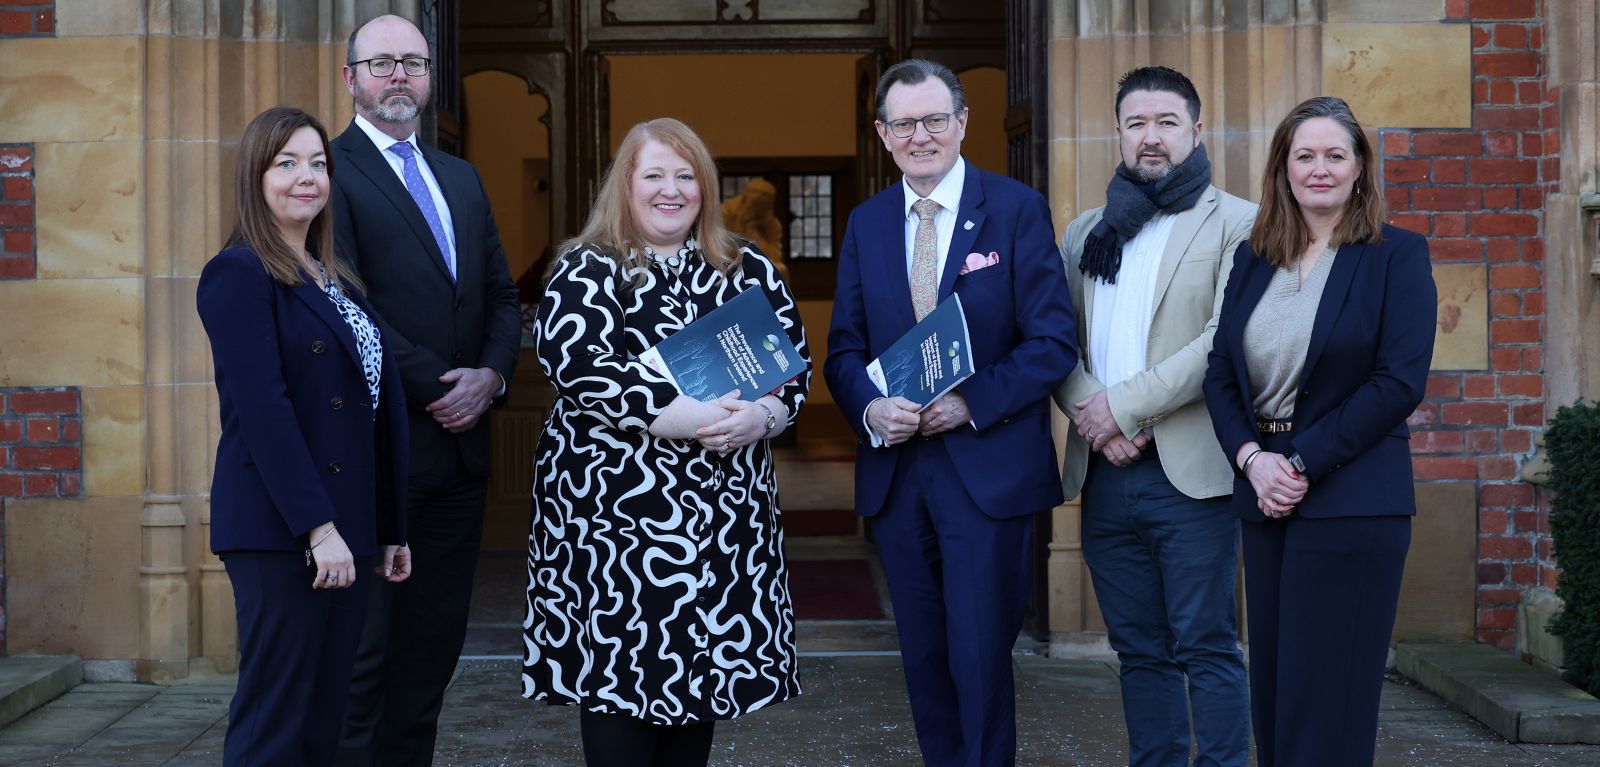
(895, 419)
(471, 391)
(742, 424)
(1279, 488)
(1099, 428)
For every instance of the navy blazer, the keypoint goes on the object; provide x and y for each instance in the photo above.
(432, 323)
(299, 444)
(1366, 371)
(1019, 319)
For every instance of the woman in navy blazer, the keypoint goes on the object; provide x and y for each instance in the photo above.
(310, 476)
(1321, 449)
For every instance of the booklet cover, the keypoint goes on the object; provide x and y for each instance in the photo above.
(739, 345)
(929, 360)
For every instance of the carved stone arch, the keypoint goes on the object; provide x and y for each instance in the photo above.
(535, 88)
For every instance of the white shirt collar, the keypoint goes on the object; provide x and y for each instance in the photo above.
(947, 193)
(383, 140)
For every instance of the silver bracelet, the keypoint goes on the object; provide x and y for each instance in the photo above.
(331, 530)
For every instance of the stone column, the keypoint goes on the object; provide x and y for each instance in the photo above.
(210, 71)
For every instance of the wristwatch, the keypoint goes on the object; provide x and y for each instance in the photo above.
(772, 420)
(1298, 464)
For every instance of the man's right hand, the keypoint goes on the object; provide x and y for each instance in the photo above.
(1121, 451)
(893, 419)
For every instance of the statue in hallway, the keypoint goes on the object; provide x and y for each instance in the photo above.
(749, 214)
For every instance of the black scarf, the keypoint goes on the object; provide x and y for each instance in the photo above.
(1131, 203)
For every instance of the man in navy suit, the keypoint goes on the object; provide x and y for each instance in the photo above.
(417, 225)
(951, 491)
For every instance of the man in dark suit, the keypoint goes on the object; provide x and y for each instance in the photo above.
(416, 223)
(950, 492)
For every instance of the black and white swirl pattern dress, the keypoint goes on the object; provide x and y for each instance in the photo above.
(657, 585)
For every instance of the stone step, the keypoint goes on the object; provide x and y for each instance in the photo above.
(30, 681)
(1522, 703)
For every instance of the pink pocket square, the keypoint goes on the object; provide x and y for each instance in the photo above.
(976, 261)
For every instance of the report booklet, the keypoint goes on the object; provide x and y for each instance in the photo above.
(738, 345)
(929, 360)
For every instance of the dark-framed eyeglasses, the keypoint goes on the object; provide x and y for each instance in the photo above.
(905, 126)
(383, 66)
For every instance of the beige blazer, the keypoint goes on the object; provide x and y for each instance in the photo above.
(1166, 397)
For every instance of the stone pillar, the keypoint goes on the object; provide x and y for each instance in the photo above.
(1572, 271)
(209, 73)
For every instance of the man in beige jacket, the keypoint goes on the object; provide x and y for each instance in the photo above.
(1146, 273)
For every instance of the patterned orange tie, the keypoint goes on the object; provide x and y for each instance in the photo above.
(925, 260)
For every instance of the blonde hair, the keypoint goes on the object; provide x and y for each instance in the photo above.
(253, 224)
(612, 228)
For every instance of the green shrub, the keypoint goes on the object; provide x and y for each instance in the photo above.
(1573, 443)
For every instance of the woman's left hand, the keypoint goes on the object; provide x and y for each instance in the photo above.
(744, 424)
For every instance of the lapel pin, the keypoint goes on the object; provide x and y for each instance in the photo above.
(968, 225)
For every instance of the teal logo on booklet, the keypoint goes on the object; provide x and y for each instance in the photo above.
(770, 343)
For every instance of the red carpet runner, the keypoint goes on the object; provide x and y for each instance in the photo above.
(833, 589)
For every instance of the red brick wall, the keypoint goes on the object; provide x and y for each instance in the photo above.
(1479, 193)
(41, 454)
(27, 18)
(41, 443)
(18, 249)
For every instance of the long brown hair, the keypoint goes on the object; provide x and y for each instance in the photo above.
(1281, 235)
(253, 223)
(612, 227)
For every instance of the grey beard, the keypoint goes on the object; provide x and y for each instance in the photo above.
(398, 111)
(1152, 174)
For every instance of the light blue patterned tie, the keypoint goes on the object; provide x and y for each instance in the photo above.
(424, 199)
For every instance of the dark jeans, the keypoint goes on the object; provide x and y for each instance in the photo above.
(1165, 568)
(415, 629)
(1322, 595)
(295, 648)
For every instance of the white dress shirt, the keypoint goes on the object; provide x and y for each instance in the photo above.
(948, 195)
(383, 141)
(1119, 330)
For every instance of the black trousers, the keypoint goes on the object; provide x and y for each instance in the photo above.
(1322, 596)
(414, 630)
(619, 740)
(295, 648)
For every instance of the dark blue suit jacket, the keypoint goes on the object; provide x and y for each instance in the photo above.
(299, 444)
(1366, 371)
(1020, 322)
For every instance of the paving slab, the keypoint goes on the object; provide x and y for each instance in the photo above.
(1521, 703)
(30, 681)
(853, 713)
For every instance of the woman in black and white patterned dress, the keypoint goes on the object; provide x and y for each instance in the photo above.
(658, 597)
